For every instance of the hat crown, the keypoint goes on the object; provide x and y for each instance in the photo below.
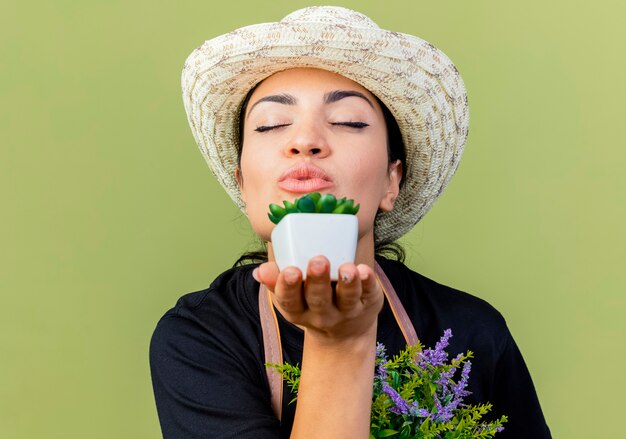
(330, 15)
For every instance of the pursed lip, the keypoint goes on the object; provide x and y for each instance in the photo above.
(304, 178)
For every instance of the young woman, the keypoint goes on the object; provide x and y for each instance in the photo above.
(324, 101)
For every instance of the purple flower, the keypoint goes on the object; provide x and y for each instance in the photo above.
(483, 427)
(459, 388)
(443, 341)
(444, 380)
(381, 369)
(446, 377)
(381, 372)
(380, 351)
(438, 356)
(443, 413)
(401, 407)
(418, 412)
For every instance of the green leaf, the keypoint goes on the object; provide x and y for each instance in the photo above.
(326, 203)
(387, 433)
(355, 209)
(461, 425)
(406, 433)
(395, 379)
(272, 218)
(290, 207)
(306, 205)
(277, 211)
(341, 208)
(314, 196)
(433, 388)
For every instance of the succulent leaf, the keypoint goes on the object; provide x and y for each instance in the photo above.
(272, 218)
(277, 211)
(315, 196)
(340, 209)
(327, 203)
(306, 205)
(290, 207)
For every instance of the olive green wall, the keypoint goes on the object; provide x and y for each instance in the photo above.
(109, 212)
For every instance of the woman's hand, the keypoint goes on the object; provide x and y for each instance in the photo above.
(330, 312)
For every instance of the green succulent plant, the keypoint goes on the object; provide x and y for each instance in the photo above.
(313, 203)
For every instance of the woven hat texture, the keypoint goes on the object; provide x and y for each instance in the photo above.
(415, 80)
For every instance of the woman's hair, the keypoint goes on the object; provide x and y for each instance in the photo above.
(395, 151)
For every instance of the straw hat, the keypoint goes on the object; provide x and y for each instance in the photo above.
(415, 80)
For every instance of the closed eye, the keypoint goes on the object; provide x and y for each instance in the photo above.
(352, 124)
(264, 128)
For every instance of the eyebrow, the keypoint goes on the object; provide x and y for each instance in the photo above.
(285, 99)
(329, 98)
(337, 95)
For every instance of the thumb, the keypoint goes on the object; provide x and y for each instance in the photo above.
(267, 274)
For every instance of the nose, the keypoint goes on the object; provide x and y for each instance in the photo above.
(308, 140)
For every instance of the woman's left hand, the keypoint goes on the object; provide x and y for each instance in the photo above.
(331, 312)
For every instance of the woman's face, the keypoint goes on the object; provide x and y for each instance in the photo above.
(310, 130)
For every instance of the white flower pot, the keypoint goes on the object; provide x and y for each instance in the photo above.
(300, 236)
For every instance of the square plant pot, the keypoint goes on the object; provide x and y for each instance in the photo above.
(298, 237)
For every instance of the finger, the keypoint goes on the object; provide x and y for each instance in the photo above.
(372, 292)
(318, 292)
(349, 290)
(288, 295)
(267, 274)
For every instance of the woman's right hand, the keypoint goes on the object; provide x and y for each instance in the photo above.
(330, 312)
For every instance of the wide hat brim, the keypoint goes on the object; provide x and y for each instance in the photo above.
(415, 80)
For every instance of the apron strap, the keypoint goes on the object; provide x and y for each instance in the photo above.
(272, 347)
(408, 331)
(271, 333)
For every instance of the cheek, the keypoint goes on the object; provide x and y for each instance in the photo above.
(369, 173)
(256, 190)
(368, 183)
(254, 165)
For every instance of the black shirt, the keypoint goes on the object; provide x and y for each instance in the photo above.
(207, 359)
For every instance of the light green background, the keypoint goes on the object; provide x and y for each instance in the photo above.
(109, 212)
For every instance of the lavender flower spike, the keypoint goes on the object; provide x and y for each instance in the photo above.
(401, 407)
(459, 388)
(380, 351)
(438, 356)
(416, 411)
(381, 372)
(444, 413)
(444, 340)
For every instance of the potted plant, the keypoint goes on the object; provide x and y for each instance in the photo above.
(314, 225)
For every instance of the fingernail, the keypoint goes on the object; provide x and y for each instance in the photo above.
(318, 266)
(346, 277)
(291, 276)
(255, 274)
(364, 276)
